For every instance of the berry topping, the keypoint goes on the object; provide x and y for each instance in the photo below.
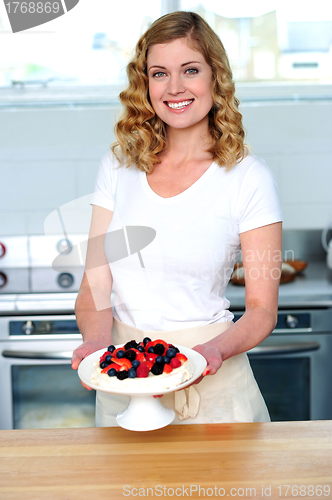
(108, 358)
(135, 363)
(181, 357)
(157, 369)
(121, 375)
(124, 363)
(167, 369)
(146, 340)
(130, 344)
(120, 354)
(132, 373)
(108, 367)
(111, 372)
(151, 356)
(151, 349)
(167, 359)
(103, 364)
(175, 363)
(160, 360)
(130, 354)
(171, 352)
(171, 346)
(111, 348)
(159, 349)
(142, 371)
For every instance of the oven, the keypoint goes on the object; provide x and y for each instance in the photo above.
(38, 333)
(293, 366)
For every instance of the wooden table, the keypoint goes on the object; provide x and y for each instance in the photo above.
(266, 460)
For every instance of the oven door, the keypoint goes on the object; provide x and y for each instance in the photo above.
(39, 389)
(294, 374)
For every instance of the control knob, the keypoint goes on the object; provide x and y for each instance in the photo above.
(65, 280)
(3, 279)
(291, 321)
(64, 246)
(2, 250)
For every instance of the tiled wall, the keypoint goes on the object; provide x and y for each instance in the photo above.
(49, 157)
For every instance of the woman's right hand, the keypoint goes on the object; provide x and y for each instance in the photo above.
(83, 351)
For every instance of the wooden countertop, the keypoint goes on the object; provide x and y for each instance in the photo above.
(249, 460)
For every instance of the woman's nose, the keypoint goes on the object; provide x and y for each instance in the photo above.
(175, 85)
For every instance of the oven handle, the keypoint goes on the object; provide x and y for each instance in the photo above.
(283, 349)
(37, 354)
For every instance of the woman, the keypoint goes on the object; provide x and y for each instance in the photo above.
(180, 167)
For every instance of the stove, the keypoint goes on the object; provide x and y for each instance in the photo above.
(29, 277)
(38, 333)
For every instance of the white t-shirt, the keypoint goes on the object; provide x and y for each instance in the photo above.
(172, 273)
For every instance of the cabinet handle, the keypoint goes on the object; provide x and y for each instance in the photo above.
(37, 354)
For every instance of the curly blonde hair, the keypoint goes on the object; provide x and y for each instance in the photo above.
(141, 134)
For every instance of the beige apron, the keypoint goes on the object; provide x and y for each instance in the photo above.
(231, 395)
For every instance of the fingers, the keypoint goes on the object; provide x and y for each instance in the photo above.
(213, 357)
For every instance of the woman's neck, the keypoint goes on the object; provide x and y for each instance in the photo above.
(187, 145)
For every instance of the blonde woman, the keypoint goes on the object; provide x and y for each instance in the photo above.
(180, 167)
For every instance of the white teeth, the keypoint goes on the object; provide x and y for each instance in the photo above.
(178, 105)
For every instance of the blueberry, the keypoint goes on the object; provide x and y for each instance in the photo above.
(111, 372)
(146, 340)
(103, 364)
(171, 352)
(111, 348)
(151, 349)
(140, 348)
(135, 363)
(108, 359)
(160, 359)
(131, 373)
(167, 360)
(120, 354)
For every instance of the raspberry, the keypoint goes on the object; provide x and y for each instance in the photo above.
(175, 363)
(142, 370)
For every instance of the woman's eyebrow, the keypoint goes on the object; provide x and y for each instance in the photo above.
(184, 64)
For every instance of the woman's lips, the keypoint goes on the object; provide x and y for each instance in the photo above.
(179, 104)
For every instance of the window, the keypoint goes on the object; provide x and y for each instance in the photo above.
(269, 41)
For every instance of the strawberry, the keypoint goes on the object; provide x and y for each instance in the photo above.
(112, 365)
(149, 344)
(181, 357)
(175, 363)
(140, 356)
(150, 364)
(142, 370)
(150, 356)
(167, 368)
(123, 362)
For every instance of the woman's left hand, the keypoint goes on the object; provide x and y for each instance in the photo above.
(213, 357)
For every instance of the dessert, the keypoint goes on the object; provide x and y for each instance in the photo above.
(142, 365)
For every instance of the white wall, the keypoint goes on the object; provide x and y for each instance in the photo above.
(49, 157)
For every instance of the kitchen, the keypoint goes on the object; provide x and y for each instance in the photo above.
(50, 152)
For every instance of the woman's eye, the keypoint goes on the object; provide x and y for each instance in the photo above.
(158, 74)
(192, 71)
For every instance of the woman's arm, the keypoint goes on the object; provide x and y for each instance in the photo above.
(93, 304)
(262, 255)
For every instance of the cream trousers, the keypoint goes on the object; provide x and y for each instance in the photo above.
(231, 395)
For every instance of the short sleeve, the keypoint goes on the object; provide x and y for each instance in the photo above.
(258, 202)
(104, 193)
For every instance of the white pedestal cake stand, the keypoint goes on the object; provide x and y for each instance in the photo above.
(144, 412)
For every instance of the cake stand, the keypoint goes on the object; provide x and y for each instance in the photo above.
(144, 411)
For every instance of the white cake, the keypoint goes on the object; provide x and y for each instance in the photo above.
(159, 382)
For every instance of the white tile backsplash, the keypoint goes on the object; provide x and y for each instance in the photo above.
(49, 158)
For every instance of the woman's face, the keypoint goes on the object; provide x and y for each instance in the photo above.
(180, 84)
